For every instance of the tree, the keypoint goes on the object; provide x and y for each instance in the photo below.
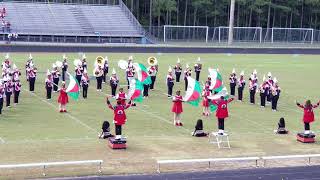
(231, 21)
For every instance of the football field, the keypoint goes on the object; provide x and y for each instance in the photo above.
(34, 131)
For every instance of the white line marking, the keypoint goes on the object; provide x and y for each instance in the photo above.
(67, 114)
(2, 140)
(50, 140)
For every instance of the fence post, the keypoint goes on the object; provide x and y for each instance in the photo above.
(44, 170)
(100, 171)
(158, 170)
(271, 35)
(164, 33)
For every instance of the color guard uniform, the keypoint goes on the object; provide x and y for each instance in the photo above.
(121, 96)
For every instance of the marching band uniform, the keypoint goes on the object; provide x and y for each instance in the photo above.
(32, 73)
(114, 82)
(152, 70)
(170, 82)
(105, 69)
(99, 74)
(84, 62)
(8, 91)
(252, 89)
(28, 66)
(275, 95)
(233, 82)
(1, 96)
(78, 71)
(17, 89)
(187, 73)
(119, 118)
(121, 96)
(197, 69)
(263, 94)
(130, 74)
(64, 68)
(205, 102)
(270, 84)
(177, 109)
(308, 115)
(55, 76)
(177, 70)
(63, 98)
(49, 84)
(241, 85)
(222, 112)
(16, 73)
(85, 84)
(146, 90)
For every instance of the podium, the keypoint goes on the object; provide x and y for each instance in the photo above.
(222, 140)
(306, 138)
(117, 143)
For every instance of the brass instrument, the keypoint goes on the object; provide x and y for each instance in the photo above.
(99, 61)
(152, 61)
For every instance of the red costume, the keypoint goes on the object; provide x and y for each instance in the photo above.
(205, 94)
(222, 108)
(121, 96)
(63, 97)
(308, 115)
(119, 117)
(177, 104)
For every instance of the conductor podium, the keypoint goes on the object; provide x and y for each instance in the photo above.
(222, 140)
(306, 138)
(117, 143)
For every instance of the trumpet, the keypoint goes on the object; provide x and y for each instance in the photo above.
(152, 61)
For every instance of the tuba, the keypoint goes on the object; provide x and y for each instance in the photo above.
(152, 61)
(99, 61)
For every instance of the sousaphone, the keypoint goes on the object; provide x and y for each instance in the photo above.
(152, 61)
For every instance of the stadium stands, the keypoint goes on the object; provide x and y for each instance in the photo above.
(73, 22)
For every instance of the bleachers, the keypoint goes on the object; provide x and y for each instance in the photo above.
(70, 20)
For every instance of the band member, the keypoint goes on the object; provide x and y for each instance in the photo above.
(15, 73)
(1, 96)
(6, 64)
(119, 118)
(205, 102)
(252, 88)
(16, 90)
(63, 98)
(130, 71)
(170, 82)
(64, 67)
(270, 84)
(177, 109)
(56, 76)
(308, 116)
(121, 96)
(241, 85)
(85, 84)
(197, 69)
(146, 90)
(233, 82)
(78, 70)
(275, 91)
(263, 93)
(152, 70)
(105, 69)
(32, 73)
(84, 62)
(187, 73)
(99, 74)
(114, 81)
(222, 112)
(177, 70)
(8, 91)
(49, 84)
(29, 62)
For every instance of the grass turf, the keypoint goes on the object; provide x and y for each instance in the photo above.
(34, 131)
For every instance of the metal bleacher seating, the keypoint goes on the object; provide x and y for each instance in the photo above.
(71, 19)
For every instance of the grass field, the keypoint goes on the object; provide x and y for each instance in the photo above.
(34, 131)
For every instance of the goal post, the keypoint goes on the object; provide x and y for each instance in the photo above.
(185, 33)
(292, 35)
(240, 34)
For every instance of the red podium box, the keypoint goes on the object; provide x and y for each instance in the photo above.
(301, 137)
(117, 144)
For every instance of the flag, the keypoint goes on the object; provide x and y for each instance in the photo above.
(217, 96)
(142, 72)
(216, 80)
(136, 90)
(193, 92)
(73, 89)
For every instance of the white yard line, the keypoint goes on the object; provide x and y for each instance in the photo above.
(67, 114)
(2, 141)
(49, 140)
